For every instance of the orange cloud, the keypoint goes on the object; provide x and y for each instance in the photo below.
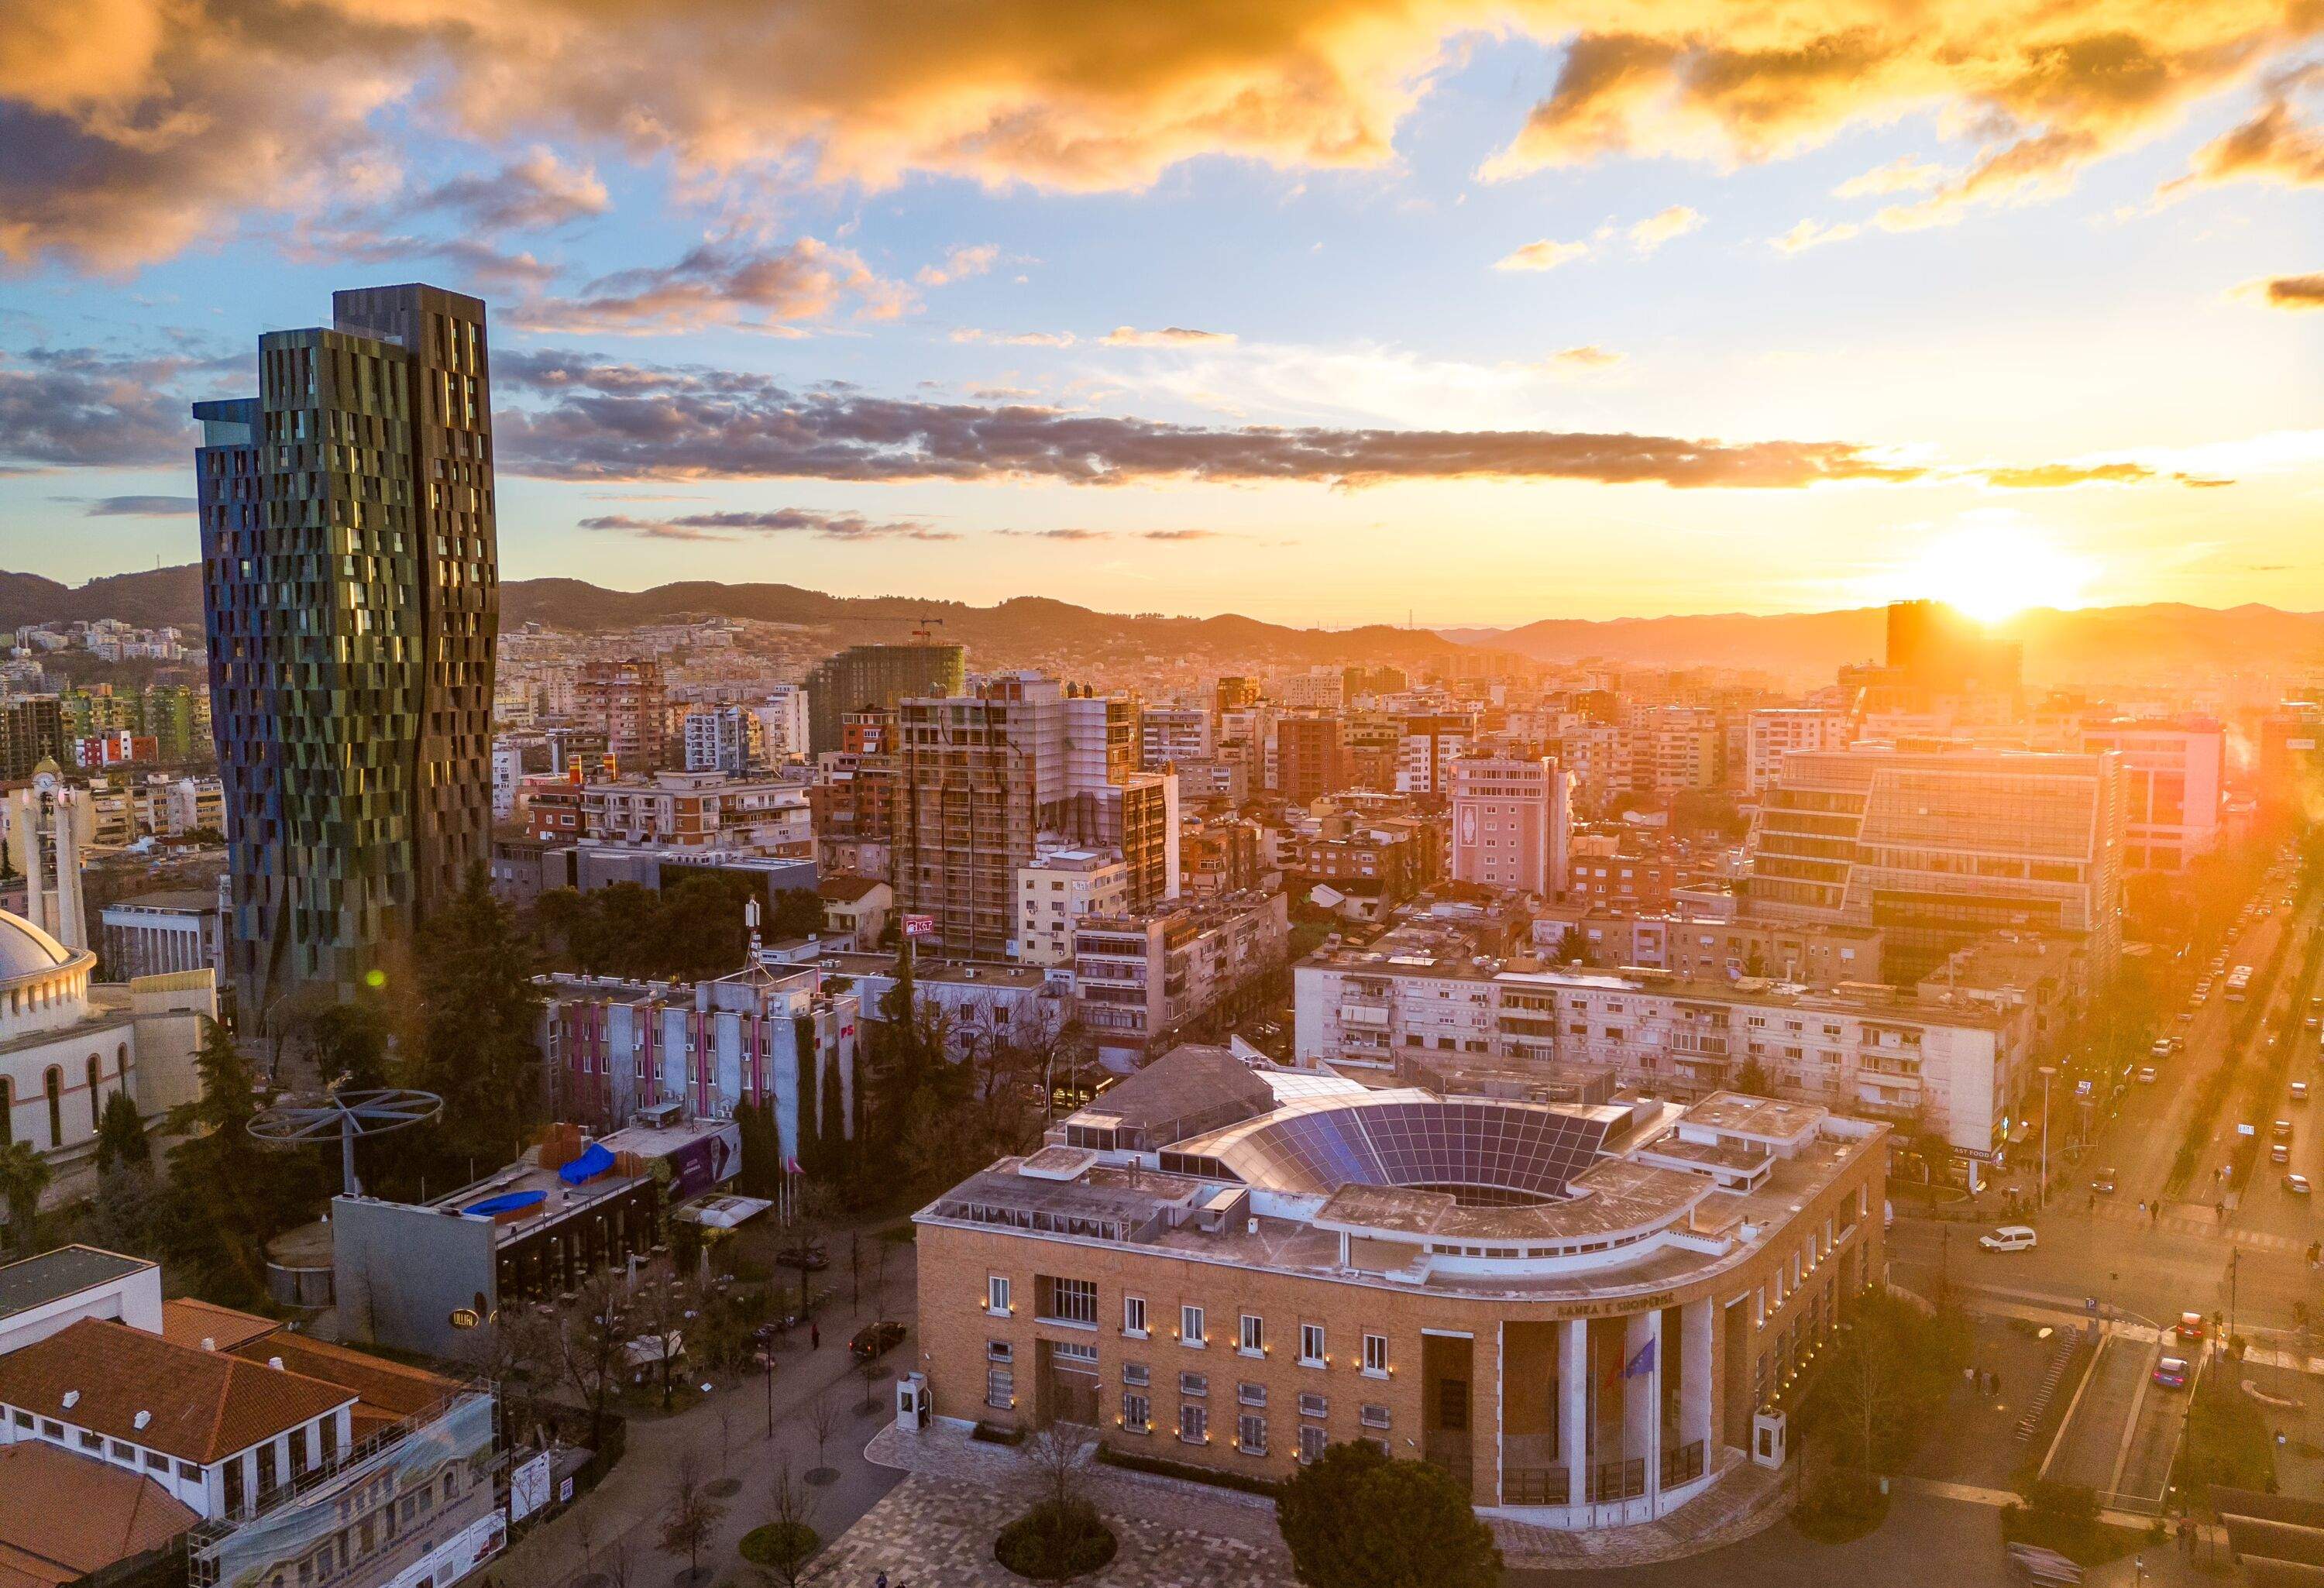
(1168, 336)
(135, 127)
(1545, 254)
(2296, 292)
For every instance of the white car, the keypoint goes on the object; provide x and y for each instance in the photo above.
(2008, 1238)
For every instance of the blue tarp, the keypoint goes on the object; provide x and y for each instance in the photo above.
(595, 1161)
(493, 1207)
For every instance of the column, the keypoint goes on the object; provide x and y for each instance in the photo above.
(1573, 1408)
(1642, 1399)
(1698, 1407)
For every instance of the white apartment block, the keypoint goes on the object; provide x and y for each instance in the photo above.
(718, 739)
(1171, 734)
(1055, 892)
(1774, 732)
(1325, 686)
(782, 722)
(1962, 1067)
(1424, 761)
(2172, 778)
(1511, 819)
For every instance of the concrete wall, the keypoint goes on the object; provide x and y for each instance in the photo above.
(401, 1273)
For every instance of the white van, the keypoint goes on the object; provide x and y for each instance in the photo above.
(2008, 1238)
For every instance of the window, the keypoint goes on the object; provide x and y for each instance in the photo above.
(95, 1092)
(1373, 1415)
(1251, 1394)
(1312, 1440)
(1066, 1301)
(1134, 1373)
(158, 1462)
(1254, 1335)
(1250, 1435)
(1000, 1388)
(53, 1083)
(1312, 1405)
(1190, 1327)
(996, 1295)
(1194, 1425)
(1375, 1355)
(999, 1351)
(1133, 1315)
(1136, 1413)
(1311, 1344)
(1194, 1384)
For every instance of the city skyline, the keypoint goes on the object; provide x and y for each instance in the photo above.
(1603, 318)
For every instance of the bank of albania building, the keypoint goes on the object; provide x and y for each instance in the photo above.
(1589, 1306)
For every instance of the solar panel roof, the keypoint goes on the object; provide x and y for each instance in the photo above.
(1408, 1140)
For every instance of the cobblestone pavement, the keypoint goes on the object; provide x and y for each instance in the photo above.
(934, 1532)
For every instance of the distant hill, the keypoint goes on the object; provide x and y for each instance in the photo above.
(2115, 644)
(1026, 626)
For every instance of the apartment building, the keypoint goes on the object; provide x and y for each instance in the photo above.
(1427, 744)
(2174, 775)
(783, 728)
(1512, 818)
(1963, 1065)
(1168, 735)
(1144, 981)
(1055, 892)
(721, 739)
(990, 777)
(1703, 948)
(1235, 1268)
(1774, 732)
(1310, 757)
(1941, 846)
(701, 811)
(1600, 871)
(628, 703)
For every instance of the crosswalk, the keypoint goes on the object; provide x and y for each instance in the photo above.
(2195, 1220)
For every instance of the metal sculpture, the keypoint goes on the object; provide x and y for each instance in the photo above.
(349, 1116)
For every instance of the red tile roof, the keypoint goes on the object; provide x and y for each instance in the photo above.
(388, 1391)
(64, 1516)
(204, 1405)
(189, 1322)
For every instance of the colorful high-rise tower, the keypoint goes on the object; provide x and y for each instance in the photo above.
(351, 590)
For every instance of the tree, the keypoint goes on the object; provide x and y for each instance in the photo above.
(1883, 1380)
(1752, 1080)
(24, 1174)
(480, 1015)
(347, 1043)
(822, 1421)
(798, 912)
(121, 1135)
(589, 1348)
(691, 1518)
(803, 1238)
(1357, 1519)
(667, 1303)
(248, 1195)
(788, 1540)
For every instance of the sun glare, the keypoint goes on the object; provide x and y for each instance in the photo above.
(1994, 570)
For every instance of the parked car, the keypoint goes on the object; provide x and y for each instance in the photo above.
(2279, 1152)
(876, 1339)
(2103, 1182)
(2296, 1184)
(2146, 1075)
(2299, 1091)
(811, 1258)
(2171, 1372)
(2281, 1130)
(2008, 1238)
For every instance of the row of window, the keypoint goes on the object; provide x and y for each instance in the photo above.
(1075, 1302)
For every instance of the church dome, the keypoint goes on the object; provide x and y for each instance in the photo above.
(25, 950)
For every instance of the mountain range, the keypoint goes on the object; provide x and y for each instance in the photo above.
(2155, 643)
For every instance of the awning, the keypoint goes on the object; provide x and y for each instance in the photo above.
(723, 1213)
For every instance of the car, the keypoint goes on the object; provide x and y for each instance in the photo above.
(876, 1340)
(2299, 1091)
(2184, 1015)
(2190, 1326)
(2146, 1075)
(2281, 1130)
(2296, 1184)
(2313, 1022)
(2171, 1372)
(2008, 1238)
(2103, 1182)
(810, 1258)
(2278, 1153)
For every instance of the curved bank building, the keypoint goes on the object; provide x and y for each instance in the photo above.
(1590, 1306)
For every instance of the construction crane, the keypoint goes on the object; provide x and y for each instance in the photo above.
(922, 627)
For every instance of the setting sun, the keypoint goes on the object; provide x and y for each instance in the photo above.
(1993, 569)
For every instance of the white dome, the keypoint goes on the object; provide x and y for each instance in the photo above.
(25, 950)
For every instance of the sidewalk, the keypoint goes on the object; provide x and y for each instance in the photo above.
(726, 1435)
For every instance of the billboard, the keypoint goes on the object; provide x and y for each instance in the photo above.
(707, 1161)
(919, 926)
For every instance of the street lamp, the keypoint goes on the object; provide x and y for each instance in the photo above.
(2042, 1197)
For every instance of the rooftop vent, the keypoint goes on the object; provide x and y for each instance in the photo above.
(72, 1398)
(275, 1363)
(209, 1343)
(141, 1419)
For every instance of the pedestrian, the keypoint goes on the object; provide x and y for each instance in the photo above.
(882, 1581)
(2093, 1205)
(815, 1343)
(2142, 1209)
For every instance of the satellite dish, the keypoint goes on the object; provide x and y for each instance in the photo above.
(346, 1117)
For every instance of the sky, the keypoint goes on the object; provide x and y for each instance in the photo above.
(1327, 311)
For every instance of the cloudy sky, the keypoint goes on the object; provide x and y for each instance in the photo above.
(1323, 310)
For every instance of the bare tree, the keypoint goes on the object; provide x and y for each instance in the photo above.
(802, 1238)
(669, 1303)
(691, 1518)
(790, 1526)
(589, 1348)
(1055, 1455)
(620, 1562)
(822, 1421)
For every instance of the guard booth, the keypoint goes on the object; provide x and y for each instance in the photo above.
(912, 1402)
